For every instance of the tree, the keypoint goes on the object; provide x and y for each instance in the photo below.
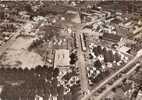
(74, 58)
(56, 72)
(49, 73)
(97, 64)
(50, 32)
(95, 51)
(99, 49)
(9, 93)
(38, 70)
(117, 57)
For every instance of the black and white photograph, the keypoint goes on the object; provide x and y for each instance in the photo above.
(71, 50)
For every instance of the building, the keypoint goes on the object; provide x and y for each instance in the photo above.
(124, 49)
(111, 37)
(61, 58)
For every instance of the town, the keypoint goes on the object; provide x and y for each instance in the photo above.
(71, 50)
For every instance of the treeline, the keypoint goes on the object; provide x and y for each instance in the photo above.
(25, 84)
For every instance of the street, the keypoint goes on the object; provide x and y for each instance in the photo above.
(81, 64)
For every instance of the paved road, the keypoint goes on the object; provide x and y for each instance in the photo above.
(128, 74)
(131, 63)
(81, 63)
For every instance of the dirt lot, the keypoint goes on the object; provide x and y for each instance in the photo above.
(17, 55)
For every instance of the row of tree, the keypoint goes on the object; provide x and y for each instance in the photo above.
(42, 81)
(25, 84)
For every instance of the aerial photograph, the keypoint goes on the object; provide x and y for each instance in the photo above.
(71, 50)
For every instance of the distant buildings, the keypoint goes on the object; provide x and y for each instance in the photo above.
(52, 10)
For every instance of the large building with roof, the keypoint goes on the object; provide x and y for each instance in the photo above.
(111, 37)
(61, 58)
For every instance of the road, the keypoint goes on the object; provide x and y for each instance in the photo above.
(128, 74)
(131, 63)
(81, 62)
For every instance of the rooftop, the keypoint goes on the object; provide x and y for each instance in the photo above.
(111, 37)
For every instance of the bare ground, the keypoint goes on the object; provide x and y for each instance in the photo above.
(18, 56)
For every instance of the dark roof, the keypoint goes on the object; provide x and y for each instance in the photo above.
(111, 37)
(53, 10)
(57, 10)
